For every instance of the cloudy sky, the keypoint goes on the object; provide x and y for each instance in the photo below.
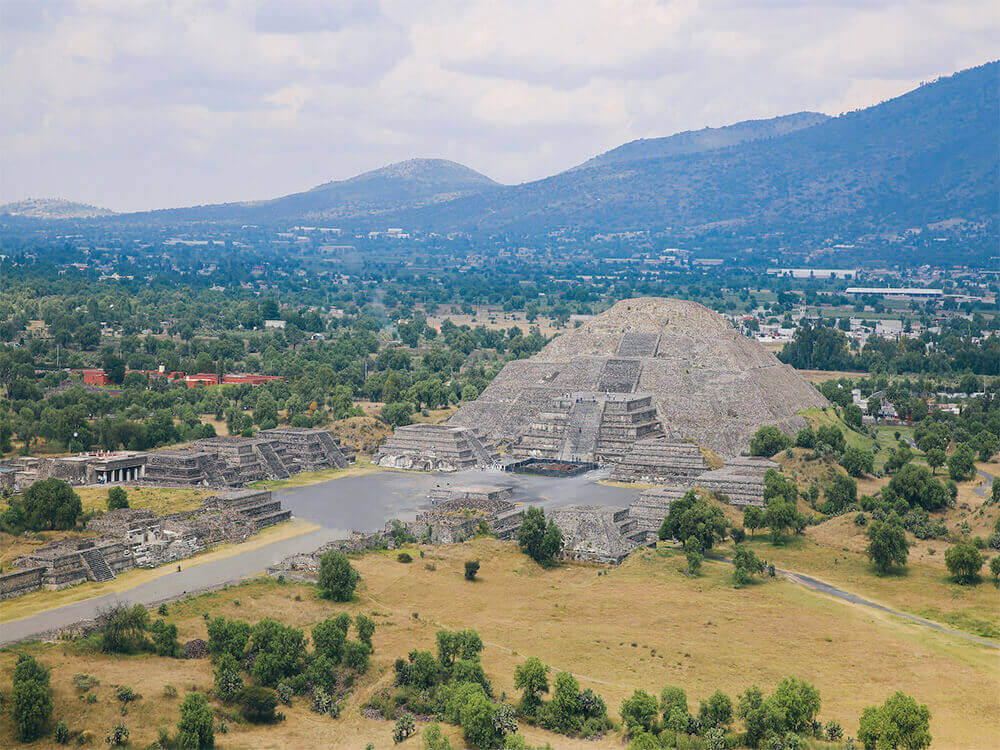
(135, 104)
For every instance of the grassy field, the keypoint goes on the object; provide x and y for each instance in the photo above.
(162, 500)
(819, 417)
(645, 624)
(39, 601)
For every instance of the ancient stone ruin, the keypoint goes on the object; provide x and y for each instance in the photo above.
(235, 461)
(458, 511)
(434, 447)
(659, 460)
(135, 537)
(589, 427)
(227, 461)
(596, 533)
(707, 382)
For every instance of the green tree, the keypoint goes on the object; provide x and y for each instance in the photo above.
(471, 569)
(900, 722)
(964, 562)
(196, 728)
(259, 704)
(328, 638)
(639, 713)
(717, 711)
(753, 518)
(337, 577)
(691, 517)
(935, 457)
(995, 570)
(397, 413)
(841, 493)
(50, 505)
(961, 463)
(228, 637)
(767, 441)
(539, 540)
(887, 545)
(987, 444)
(917, 487)
(117, 498)
(531, 678)
(857, 462)
(745, 565)
(165, 641)
(366, 629)
(228, 679)
(277, 651)
(31, 698)
(563, 712)
(693, 555)
(123, 629)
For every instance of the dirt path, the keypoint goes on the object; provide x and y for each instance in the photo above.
(815, 584)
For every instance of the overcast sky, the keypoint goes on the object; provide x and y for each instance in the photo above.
(131, 105)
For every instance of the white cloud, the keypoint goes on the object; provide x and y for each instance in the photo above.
(142, 105)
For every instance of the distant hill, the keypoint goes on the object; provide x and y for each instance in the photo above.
(405, 185)
(930, 155)
(706, 139)
(53, 208)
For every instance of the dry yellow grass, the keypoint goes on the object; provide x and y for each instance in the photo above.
(40, 601)
(645, 624)
(162, 500)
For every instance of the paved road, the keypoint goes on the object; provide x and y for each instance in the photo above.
(197, 577)
(984, 489)
(364, 502)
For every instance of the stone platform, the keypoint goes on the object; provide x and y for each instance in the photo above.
(434, 447)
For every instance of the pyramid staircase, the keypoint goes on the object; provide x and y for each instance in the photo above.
(96, 564)
(582, 427)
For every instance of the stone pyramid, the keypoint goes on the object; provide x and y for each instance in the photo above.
(710, 384)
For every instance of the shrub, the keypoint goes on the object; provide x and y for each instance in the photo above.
(117, 498)
(126, 694)
(964, 561)
(118, 737)
(123, 629)
(169, 691)
(767, 441)
(405, 726)
(540, 541)
(258, 704)
(404, 557)
(228, 680)
(196, 726)
(165, 640)
(337, 578)
(31, 698)
(61, 733)
(84, 682)
(899, 722)
(471, 569)
(434, 738)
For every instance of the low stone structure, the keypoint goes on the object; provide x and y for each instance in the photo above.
(741, 480)
(596, 533)
(589, 426)
(660, 460)
(458, 511)
(434, 447)
(235, 461)
(86, 468)
(652, 506)
(136, 537)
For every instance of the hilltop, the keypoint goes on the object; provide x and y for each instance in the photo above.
(404, 185)
(706, 139)
(53, 208)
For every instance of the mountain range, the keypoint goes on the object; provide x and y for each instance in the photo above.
(53, 208)
(930, 155)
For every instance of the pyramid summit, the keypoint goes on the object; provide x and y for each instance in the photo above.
(707, 383)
